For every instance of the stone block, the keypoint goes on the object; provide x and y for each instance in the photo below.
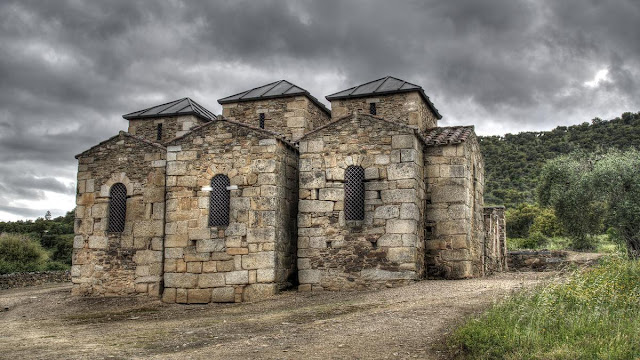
(310, 276)
(384, 275)
(401, 226)
(211, 280)
(390, 240)
(261, 260)
(409, 211)
(266, 275)
(401, 254)
(455, 254)
(314, 146)
(223, 294)
(461, 270)
(169, 295)
(236, 229)
(194, 267)
(386, 212)
(145, 257)
(98, 242)
(264, 166)
(237, 251)
(180, 280)
(225, 266)
(403, 141)
(78, 242)
(448, 194)
(210, 245)
(398, 196)
(315, 206)
(371, 173)
(261, 235)
(255, 292)
(452, 227)
(237, 277)
(331, 194)
(401, 171)
(312, 179)
(198, 296)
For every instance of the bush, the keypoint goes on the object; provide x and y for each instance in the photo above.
(527, 218)
(20, 254)
(63, 249)
(595, 314)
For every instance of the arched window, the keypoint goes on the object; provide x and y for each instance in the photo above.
(117, 207)
(219, 201)
(354, 193)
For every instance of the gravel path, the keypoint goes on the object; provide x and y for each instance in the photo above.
(46, 322)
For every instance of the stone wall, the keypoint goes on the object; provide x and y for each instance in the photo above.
(454, 219)
(387, 247)
(172, 127)
(406, 108)
(128, 262)
(495, 249)
(291, 116)
(8, 281)
(252, 257)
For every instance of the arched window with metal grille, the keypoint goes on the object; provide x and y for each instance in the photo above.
(117, 207)
(354, 193)
(219, 199)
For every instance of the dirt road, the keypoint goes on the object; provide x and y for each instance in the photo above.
(46, 322)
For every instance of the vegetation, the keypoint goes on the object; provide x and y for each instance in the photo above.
(36, 245)
(514, 162)
(593, 315)
(590, 193)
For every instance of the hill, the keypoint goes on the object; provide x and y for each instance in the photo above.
(513, 162)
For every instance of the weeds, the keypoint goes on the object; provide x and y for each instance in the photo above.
(595, 314)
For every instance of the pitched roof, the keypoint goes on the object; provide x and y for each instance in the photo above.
(447, 135)
(274, 134)
(184, 106)
(120, 134)
(277, 89)
(438, 136)
(383, 86)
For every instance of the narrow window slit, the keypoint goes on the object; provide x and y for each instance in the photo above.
(261, 120)
(159, 132)
(372, 108)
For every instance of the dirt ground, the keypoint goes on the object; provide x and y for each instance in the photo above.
(46, 322)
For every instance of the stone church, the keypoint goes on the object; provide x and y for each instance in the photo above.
(280, 192)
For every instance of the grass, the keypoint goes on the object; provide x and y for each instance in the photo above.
(601, 244)
(595, 314)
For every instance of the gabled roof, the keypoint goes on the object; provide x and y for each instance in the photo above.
(447, 135)
(120, 134)
(438, 136)
(184, 106)
(277, 89)
(274, 134)
(383, 86)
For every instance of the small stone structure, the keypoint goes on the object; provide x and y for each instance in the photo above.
(495, 244)
(280, 192)
(14, 280)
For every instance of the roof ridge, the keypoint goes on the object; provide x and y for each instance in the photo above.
(123, 133)
(246, 91)
(275, 134)
(151, 107)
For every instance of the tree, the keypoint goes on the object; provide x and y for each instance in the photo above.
(587, 190)
(47, 216)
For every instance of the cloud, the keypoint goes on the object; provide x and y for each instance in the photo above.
(71, 68)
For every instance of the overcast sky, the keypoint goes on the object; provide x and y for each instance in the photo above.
(70, 69)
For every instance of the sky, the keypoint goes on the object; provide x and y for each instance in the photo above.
(69, 69)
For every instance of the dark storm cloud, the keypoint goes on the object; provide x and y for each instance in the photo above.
(70, 69)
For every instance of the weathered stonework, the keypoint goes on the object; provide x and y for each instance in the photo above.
(387, 246)
(172, 127)
(252, 257)
(495, 244)
(454, 220)
(131, 261)
(406, 108)
(291, 116)
(423, 198)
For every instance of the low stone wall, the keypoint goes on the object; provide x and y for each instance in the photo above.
(532, 260)
(8, 281)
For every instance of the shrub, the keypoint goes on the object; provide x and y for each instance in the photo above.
(20, 254)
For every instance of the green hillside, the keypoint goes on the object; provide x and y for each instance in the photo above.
(513, 162)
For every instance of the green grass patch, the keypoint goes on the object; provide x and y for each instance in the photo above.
(595, 314)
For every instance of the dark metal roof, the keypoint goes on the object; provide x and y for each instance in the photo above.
(184, 106)
(384, 86)
(277, 89)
